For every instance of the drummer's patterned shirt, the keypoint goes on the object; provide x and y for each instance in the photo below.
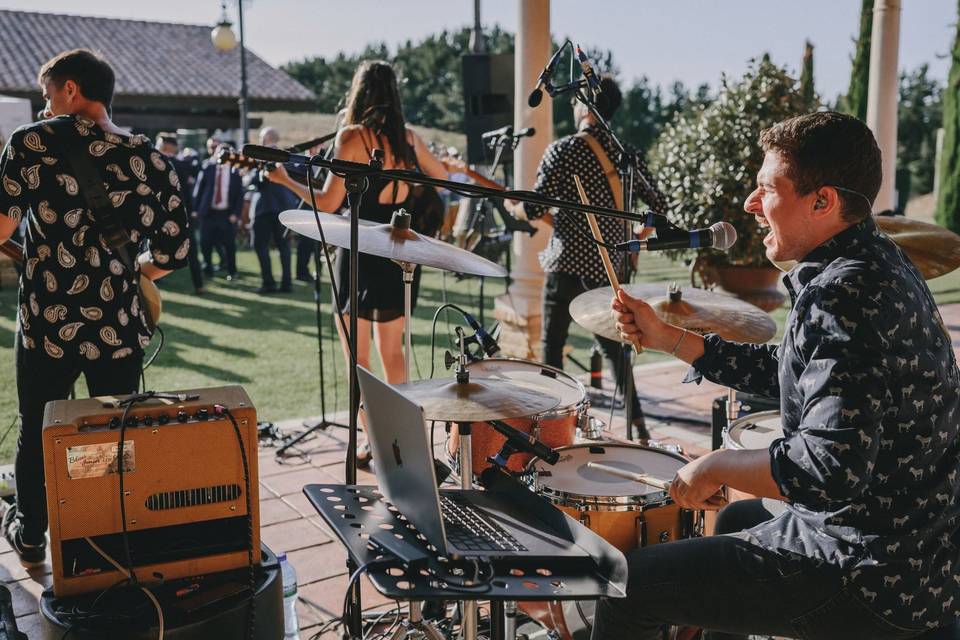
(571, 248)
(869, 391)
(77, 299)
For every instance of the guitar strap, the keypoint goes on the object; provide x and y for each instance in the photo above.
(613, 178)
(105, 216)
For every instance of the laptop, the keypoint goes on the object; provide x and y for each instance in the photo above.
(458, 522)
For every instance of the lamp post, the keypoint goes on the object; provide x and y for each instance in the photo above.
(224, 40)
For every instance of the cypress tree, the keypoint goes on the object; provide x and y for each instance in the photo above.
(807, 90)
(855, 102)
(948, 200)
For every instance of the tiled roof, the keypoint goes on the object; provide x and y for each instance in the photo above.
(149, 58)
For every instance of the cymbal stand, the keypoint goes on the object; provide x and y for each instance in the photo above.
(468, 621)
(401, 222)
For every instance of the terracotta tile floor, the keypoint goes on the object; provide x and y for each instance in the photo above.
(676, 413)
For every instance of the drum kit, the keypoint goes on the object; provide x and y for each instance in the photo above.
(617, 489)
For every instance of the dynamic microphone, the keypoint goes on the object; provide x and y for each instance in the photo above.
(525, 442)
(525, 132)
(489, 345)
(272, 154)
(720, 236)
(588, 73)
(536, 96)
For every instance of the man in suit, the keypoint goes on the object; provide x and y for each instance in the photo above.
(218, 200)
(271, 201)
(169, 145)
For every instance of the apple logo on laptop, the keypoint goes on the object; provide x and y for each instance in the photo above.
(396, 453)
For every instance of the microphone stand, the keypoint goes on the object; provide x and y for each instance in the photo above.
(356, 177)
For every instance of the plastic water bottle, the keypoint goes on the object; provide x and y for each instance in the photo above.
(291, 627)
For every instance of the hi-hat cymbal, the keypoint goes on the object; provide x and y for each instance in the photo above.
(479, 400)
(934, 250)
(699, 310)
(385, 241)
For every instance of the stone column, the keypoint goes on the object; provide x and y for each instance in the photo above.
(519, 311)
(882, 96)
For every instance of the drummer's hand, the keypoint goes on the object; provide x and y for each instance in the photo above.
(278, 174)
(638, 323)
(694, 488)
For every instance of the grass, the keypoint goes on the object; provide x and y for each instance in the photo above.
(268, 344)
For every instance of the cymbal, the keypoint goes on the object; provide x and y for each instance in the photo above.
(935, 251)
(385, 241)
(698, 310)
(478, 400)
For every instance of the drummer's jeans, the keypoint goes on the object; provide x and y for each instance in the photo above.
(730, 585)
(559, 290)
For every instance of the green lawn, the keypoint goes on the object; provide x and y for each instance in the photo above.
(232, 335)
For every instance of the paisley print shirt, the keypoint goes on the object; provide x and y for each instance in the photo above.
(76, 296)
(869, 391)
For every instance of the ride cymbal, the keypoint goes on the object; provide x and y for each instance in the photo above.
(386, 241)
(479, 400)
(935, 251)
(698, 310)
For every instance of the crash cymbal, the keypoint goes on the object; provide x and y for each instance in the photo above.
(699, 310)
(402, 245)
(478, 400)
(934, 250)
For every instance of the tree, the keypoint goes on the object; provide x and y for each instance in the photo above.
(807, 89)
(919, 115)
(855, 102)
(948, 202)
(707, 159)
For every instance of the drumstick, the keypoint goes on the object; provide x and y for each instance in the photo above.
(604, 256)
(630, 475)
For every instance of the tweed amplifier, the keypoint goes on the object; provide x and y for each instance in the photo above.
(185, 493)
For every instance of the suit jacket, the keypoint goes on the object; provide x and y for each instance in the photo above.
(203, 192)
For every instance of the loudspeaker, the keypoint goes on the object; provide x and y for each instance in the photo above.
(487, 100)
(185, 493)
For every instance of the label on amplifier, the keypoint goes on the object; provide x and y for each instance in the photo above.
(98, 460)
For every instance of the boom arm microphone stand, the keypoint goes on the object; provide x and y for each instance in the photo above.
(356, 180)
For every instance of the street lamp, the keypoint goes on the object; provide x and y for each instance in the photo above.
(224, 40)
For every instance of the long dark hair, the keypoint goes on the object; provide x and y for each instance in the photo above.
(374, 102)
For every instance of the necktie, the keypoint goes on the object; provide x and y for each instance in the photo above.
(216, 188)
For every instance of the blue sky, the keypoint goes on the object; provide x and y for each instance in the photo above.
(666, 40)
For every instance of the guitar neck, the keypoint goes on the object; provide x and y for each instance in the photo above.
(12, 249)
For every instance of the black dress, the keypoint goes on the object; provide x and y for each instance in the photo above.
(379, 280)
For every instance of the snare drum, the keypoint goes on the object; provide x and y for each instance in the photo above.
(754, 431)
(625, 513)
(554, 428)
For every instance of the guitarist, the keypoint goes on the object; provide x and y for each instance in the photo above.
(79, 310)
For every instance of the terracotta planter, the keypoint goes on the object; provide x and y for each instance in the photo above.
(756, 285)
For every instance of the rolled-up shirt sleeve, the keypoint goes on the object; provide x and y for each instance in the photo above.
(844, 392)
(751, 368)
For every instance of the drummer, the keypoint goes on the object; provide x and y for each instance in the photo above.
(858, 535)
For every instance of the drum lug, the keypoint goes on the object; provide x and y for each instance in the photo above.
(641, 532)
(585, 519)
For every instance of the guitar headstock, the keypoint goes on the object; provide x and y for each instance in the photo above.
(233, 158)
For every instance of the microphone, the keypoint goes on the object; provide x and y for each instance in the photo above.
(272, 154)
(721, 235)
(524, 133)
(588, 73)
(525, 442)
(489, 345)
(506, 131)
(544, 81)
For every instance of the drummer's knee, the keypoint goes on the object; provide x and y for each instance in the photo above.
(741, 515)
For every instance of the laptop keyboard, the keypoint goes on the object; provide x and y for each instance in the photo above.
(470, 529)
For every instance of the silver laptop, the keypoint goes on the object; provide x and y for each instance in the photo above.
(457, 522)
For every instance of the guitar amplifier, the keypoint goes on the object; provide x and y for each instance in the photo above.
(185, 494)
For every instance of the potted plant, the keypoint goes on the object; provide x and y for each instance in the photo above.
(707, 160)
